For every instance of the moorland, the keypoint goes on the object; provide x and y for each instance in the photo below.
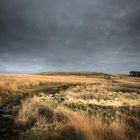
(66, 106)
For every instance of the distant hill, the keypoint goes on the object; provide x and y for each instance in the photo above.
(71, 73)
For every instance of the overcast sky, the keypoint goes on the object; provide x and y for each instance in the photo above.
(69, 35)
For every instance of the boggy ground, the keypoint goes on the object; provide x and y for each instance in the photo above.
(64, 106)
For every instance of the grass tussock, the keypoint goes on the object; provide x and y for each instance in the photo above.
(32, 110)
(59, 123)
(88, 92)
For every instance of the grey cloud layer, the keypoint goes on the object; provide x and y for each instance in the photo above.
(69, 35)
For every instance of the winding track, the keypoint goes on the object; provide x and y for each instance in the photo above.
(6, 121)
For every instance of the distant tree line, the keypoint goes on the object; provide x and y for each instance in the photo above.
(135, 73)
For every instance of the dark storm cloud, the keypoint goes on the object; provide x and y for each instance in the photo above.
(69, 35)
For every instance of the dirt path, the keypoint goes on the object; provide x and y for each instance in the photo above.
(7, 118)
(6, 121)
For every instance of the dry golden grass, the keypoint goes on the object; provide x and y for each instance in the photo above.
(87, 92)
(100, 95)
(11, 83)
(75, 106)
(60, 123)
(14, 82)
(32, 110)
